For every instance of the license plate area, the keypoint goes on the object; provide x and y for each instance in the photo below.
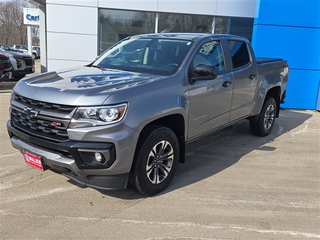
(33, 160)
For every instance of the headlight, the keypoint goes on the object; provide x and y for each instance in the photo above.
(97, 116)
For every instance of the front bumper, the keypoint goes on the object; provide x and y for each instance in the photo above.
(73, 159)
(6, 76)
(22, 72)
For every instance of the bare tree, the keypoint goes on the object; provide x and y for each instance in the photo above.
(12, 29)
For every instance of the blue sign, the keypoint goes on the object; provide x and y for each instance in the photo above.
(32, 18)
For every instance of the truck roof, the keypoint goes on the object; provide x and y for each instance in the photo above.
(188, 36)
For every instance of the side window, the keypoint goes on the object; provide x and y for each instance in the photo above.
(239, 53)
(210, 53)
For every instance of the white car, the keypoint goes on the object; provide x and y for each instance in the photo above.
(22, 48)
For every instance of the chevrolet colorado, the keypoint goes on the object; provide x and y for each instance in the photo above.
(127, 116)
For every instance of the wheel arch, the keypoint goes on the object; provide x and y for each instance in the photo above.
(275, 92)
(175, 122)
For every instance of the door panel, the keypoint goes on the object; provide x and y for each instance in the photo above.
(209, 104)
(209, 100)
(244, 79)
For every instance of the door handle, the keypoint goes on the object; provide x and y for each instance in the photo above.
(226, 84)
(252, 76)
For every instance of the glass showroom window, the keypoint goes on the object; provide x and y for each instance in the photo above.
(171, 22)
(234, 25)
(115, 25)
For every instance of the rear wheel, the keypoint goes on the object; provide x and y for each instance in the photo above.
(155, 162)
(263, 126)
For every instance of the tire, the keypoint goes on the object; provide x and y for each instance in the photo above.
(155, 161)
(18, 77)
(34, 56)
(263, 126)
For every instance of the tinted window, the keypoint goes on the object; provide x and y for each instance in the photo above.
(210, 53)
(239, 53)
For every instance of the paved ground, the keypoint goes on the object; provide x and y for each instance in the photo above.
(233, 186)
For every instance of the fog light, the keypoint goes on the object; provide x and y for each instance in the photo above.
(96, 158)
(99, 157)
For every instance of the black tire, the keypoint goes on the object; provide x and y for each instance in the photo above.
(155, 162)
(263, 126)
(18, 77)
(34, 56)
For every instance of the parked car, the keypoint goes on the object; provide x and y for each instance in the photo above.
(5, 68)
(128, 115)
(22, 48)
(9, 48)
(22, 63)
(36, 52)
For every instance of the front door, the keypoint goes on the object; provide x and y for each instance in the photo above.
(209, 100)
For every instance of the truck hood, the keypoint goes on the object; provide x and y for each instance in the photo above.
(80, 86)
(17, 54)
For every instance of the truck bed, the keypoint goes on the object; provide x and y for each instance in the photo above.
(261, 60)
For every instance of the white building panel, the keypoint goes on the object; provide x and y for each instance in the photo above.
(74, 48)
(142, 5)
(72, 19)
(85, 3)
(236, 8)
(64, 64)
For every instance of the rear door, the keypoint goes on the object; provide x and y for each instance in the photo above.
(209, 100)
(244, 69)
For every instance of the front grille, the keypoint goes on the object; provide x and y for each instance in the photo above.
(41, 119)
(42, 105)
(28, 61)
(48, 129)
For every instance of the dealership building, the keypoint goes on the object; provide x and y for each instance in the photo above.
(74, 32)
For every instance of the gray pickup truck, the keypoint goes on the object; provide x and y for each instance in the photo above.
(127, 116)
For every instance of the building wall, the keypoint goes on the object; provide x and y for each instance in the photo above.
(72, 26)
(290, 29)
(72, 33)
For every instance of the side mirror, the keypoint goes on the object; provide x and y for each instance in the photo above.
(204, 72)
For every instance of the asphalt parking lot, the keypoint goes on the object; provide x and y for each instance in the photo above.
(233, 186)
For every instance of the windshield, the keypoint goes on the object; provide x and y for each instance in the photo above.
(148, 55)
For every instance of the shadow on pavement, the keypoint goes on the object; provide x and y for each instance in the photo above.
(218, 151)
(7, 86)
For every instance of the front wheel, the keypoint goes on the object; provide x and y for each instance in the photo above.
(18, 77)
(155, 162)
(263, 126)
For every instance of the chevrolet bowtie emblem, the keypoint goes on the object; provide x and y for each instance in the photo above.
(31, 112)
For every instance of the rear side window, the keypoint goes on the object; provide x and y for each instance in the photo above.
(239, 53)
